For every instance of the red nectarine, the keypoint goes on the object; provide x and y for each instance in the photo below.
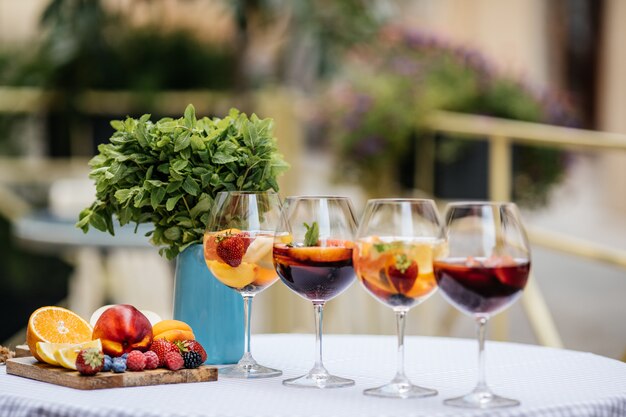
(123, 328)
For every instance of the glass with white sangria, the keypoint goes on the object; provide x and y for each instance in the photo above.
(238, 251)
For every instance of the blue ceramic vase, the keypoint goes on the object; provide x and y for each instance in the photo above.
(214, 311)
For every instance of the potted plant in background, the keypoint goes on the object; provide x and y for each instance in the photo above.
(167, 173)
(376, 109)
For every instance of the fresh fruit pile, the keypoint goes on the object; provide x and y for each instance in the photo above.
(122, 339)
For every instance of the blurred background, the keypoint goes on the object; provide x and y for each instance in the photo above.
(517, 100)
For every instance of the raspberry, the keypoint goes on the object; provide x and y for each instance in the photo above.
(174, 361)
(152, 360)
(136, 361)
(192, 359)
(119, 365)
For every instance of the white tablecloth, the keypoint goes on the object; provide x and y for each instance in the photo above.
(548, 382)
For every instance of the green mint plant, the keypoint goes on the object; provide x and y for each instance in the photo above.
(168, 172)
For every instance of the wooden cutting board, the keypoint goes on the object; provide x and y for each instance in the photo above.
(29, 367)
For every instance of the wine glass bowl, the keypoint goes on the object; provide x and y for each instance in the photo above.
(397, 241)
(484, 272)
(238, 251)
(313, 257)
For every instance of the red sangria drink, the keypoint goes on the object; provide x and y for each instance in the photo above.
(315, 273)
(484, 272)
(479, 285)
(313, 257)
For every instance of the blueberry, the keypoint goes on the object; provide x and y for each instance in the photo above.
(124, 356)
(108, 363)
(119, 365)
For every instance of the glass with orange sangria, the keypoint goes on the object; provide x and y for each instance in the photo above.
(397, 241)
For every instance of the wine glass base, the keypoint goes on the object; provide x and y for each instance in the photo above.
(248, 371)
(318, 381)
(400, 390)
(481, 400)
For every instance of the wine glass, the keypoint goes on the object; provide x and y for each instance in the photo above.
(313, 257)
(484, 273)
(396, 243)
(238, 252)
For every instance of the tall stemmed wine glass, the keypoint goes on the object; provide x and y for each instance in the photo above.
(313, 257)
(484, 273)
(396, 243)
(238, 252)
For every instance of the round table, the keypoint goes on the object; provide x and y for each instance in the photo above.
(548, 382)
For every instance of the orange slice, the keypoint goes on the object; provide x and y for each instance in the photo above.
(237, 277)
(321, 254)
(55, 325)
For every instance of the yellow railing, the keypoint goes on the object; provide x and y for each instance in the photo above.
(501, 135)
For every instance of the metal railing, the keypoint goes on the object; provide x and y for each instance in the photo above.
(501, 135)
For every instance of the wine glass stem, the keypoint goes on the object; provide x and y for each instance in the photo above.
(319, 365)
(400, 325)
(247, 358)
(481, 327)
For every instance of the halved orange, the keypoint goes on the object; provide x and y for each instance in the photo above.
(53, 324)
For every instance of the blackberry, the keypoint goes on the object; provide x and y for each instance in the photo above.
(192, 359)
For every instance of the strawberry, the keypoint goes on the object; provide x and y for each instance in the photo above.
(192, 346)
(402, 273)
(174, 361)
(162, 347)
(90, 361)
(231, 248)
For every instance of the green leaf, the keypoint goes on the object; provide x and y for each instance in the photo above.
(222, 158)
(173, 186)
(171, 202)
(180, 164)
(197, 143)
(203, 205)
(118, 125)
(250, 134)
(157, 196)
(190, 114)
(191, 186)
(312, 235)
(172, 233)
(123, 195)
(98, 221)
(182, 141)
